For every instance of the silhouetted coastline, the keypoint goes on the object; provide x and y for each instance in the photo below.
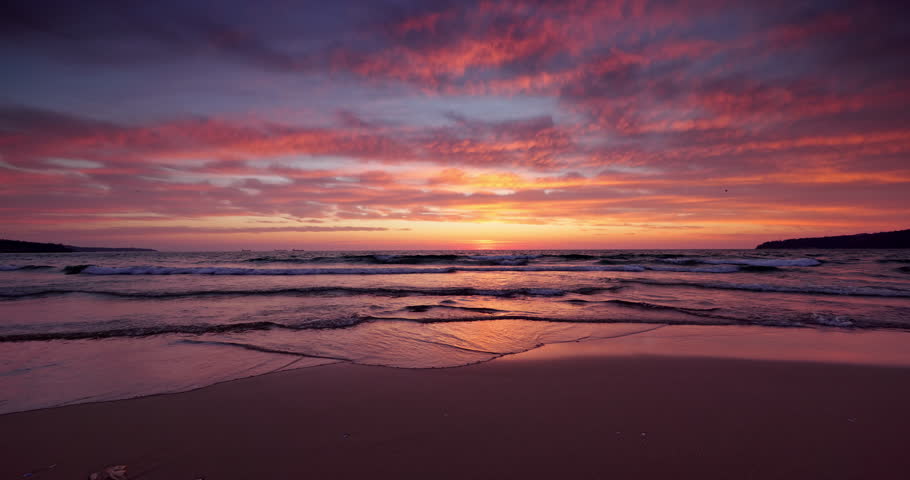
(897, 239)
(18, 246)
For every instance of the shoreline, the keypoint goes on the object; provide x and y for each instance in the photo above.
(881, 347)
(550, 412)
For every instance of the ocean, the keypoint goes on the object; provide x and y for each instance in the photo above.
(81, 327)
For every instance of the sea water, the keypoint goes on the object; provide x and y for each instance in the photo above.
(78, 327)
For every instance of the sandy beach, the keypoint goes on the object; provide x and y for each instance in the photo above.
(561, 411)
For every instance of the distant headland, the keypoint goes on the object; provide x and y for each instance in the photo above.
(898, 239)
(16, 246)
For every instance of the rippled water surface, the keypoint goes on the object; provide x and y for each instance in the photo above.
(87, 326)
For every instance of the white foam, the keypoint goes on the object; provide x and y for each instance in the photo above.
(832, 320)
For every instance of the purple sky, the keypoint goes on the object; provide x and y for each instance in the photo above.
(452, 124)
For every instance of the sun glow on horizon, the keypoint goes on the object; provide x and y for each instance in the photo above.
(477, 125)
(483, 244)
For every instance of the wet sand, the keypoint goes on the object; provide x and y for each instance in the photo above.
(556, 412)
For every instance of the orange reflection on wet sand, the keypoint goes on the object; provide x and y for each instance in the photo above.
(881, 347)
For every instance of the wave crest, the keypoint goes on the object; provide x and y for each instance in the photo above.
(317, 291)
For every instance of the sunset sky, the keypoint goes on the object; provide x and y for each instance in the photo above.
(407, 124)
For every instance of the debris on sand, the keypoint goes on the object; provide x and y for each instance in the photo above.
(114, 472)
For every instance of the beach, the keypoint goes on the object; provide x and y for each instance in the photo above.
(600, 409)
(416, 239)
(517, 364)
